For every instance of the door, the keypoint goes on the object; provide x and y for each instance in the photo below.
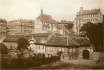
(85, 54)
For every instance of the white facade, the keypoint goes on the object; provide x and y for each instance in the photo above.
(84, 16)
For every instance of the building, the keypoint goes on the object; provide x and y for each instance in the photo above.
(84, 16)
(11, 41)
(70, 45)
(3, 28)
(37, 41)
(64, 26)
(21, 26)
(45, 24)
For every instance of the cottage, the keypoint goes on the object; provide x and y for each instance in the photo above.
(59, 43)
(11, 41)
(37, 41)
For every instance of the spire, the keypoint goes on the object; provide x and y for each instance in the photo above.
(41, 11)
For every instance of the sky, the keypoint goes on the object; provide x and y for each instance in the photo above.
(58, 9)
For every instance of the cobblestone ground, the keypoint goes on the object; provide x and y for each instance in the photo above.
(72, 64)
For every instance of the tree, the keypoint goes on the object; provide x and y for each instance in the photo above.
(69, 26)
(4, 49)
(95, 34)
(22, 43)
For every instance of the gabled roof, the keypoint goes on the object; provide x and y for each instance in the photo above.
(46, 18)
(93, 11)
(60, 41)
(38, 37)
(12, 38)
(81, 40)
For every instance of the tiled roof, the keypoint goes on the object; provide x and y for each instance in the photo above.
(70, 33)
(38, 37)
(93, 11)
(38, 34)
(12, 38)
(60, 41)
(80, 40)
(46, 18)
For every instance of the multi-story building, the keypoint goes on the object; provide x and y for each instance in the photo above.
(3, 28)
(84, 16)
(21, 26)
(45, 24)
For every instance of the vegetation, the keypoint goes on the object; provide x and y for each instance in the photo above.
(22, 43)
(95, 34)
(3, 48)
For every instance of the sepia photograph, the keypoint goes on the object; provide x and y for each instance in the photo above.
(51, 34)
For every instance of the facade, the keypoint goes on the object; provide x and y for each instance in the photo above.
(21, 26)
(84, 16)
(3, 28)
(45, 24)
(11, 41)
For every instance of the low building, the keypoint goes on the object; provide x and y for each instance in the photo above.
(37, 41)
(11, 41)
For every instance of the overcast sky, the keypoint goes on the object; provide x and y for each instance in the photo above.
(58, 9)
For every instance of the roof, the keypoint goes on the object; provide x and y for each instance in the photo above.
(12, 38)
(93, 11)
(3, 20)
(22, 20)
(38, 34)
(60, 41)
(67, 40)
(81, 40)
(70, 33)
(38, 37)
(65, 22)
(46, 18)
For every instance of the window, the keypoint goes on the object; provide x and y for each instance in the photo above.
(51, 49)
(70, 50)
(63, 49)
(73, 50)
(61, 39)
(43, 47)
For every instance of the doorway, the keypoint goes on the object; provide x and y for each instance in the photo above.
(85, 54)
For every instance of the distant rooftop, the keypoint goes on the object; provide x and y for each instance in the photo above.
(93, 11)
